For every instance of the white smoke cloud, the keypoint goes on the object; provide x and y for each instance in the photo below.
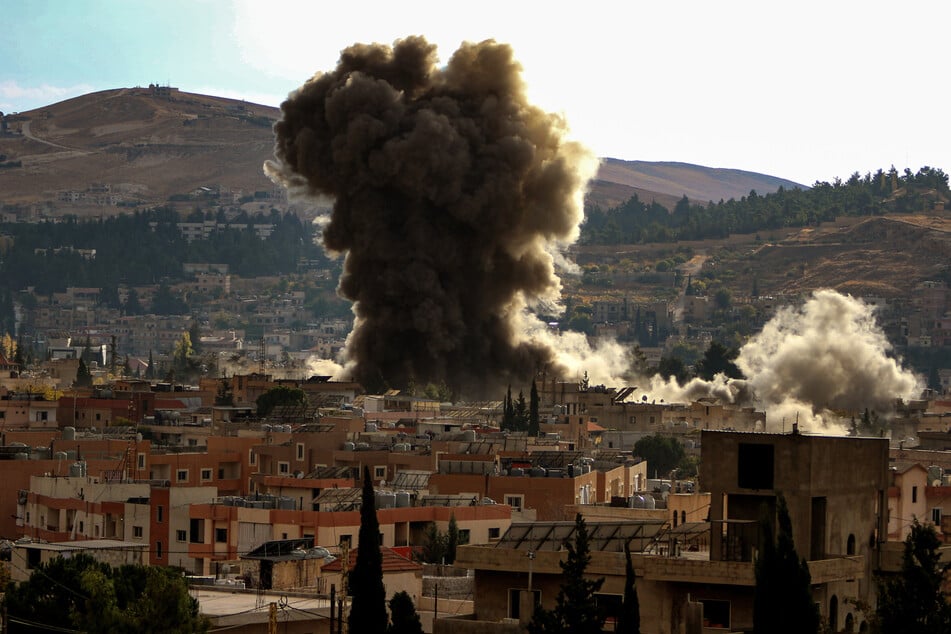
(810, 364)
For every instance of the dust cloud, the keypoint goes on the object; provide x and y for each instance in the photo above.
(453, 201)
(813, 364)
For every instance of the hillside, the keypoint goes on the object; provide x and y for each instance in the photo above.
(666, 182)
(143, 145)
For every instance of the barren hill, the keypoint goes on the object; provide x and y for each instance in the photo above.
(143, 145)
(147, 144)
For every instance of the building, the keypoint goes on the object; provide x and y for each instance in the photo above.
(835, 489)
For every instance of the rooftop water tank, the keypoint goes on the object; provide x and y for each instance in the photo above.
(59, 455)
(69, 433)
(469, 435)
(370, 427)
(402, 499)
(385, 499)
(517, 471)
(77, 470)
(538, 472)
(349, 446)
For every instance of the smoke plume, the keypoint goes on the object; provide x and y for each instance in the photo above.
(813, 364)
(453, 201)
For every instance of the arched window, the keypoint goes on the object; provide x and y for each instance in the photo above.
(850, 545)
(683, 517)
(834, 613)
(849, 623)
(675, 519)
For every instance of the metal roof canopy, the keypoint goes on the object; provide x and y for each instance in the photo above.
(602, 536)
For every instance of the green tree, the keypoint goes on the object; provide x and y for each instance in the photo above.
(403, 615)
(433, 550)
(575, 611)
(508, 412)
(533, 420)
(718, 360)
(629, 620)
(83, 375)
(150, 368)
(278, 396)
(662, 453)
(365, 584)
(82, 594)
(673, 367)
(782, 599)
(224, 395)
(913, 602)
(452, 539)
(521, 413)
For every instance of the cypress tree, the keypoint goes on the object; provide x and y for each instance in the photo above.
(629, 620)
(533, 422)
(782, 600)
(452, 539)
(365, 583)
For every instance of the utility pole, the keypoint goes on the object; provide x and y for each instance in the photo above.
(272, 619)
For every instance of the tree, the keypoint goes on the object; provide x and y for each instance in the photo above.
(662, 453)
(576, 611)
(533, 421)
(452, 539)
(83, 594)
(433, 550)
(521, 413)
(913, 601)
(224, 395)
(278, 396)
(365, 583)
(508, 412)
(718, 360)
(782, 599)
(83, 375)
(629, 620)
(403, 615)
(673, 367)
(150, 368)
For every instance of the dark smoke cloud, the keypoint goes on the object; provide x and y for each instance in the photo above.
(453, 199)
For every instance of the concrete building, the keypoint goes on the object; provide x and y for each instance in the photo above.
(835, 490)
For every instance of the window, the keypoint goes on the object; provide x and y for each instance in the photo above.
(463, 536)
(82, 527)
(850, 545)
(914, 494)
(346, 539)
(205, 475)
(283, 467)
(252, 458)
(495, 532)
(515, 596)
(754, 468)
(610, 605)
(936, 517)
(221, 535)
(140, 462)
(181, 475)
(716, 614)
(137, 532)
(300, 451)
(515, 501)
(158, 550)
(181, 536)
(379, 473)
(159, 513)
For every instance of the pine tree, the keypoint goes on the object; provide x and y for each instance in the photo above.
(533, 421)
(508, 412)
(521, 413)
(365, 583)
(452, 539)
(150, 368)
(913, 601)
(782, 600)
(629, 620)
(404, 616)
(83, 376)
(576, 610)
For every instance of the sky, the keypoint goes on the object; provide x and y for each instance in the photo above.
(808, 91)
